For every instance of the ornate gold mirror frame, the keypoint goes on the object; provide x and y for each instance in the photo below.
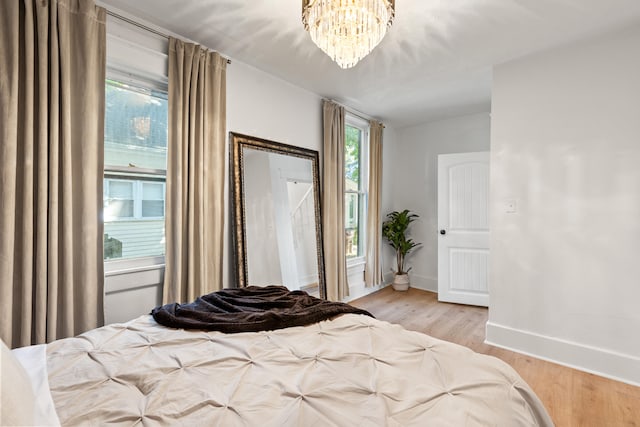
(270, 237)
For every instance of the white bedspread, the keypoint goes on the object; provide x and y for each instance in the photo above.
(33, 359)
(350, 371)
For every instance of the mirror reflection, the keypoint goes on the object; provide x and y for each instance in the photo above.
(278, 240)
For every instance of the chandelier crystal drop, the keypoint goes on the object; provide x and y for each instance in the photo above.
(347, 30)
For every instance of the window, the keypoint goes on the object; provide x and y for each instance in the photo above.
(126, 199)
(356, 180)
(135, 151)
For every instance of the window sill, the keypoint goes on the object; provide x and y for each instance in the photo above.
(355, 265)
(132, 219)
(118, 267)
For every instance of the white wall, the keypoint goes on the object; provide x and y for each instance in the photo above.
(259, 104)
(565, 269)
(264, 106)
(410, 178)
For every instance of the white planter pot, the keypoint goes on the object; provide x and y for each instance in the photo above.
(401, 282)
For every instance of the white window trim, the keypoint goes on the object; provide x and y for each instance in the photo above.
(356, 265)
(116, 267)
(135, 55)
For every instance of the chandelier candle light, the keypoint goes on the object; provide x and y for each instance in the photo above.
(347, 30)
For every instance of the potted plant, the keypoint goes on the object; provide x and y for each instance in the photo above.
(394, 229)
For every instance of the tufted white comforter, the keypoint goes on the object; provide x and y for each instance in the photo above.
(350, 371)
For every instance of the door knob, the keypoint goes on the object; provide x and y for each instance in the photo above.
(443, 232)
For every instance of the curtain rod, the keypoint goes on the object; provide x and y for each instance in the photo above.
(142, 26)
(353, 112)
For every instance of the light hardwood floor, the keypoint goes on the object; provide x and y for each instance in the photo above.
(572, 397)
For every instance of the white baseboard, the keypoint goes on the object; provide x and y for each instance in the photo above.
(609, 364)
(388, 277)
(422, 282)
(417, 281)
(360, 291)
(425, 283)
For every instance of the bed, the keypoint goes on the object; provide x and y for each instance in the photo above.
(349, 370)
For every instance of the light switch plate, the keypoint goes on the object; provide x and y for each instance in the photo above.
(511, 206)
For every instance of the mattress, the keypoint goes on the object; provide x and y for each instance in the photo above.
(352, 370)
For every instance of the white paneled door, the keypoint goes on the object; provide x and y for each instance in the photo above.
(463, 227)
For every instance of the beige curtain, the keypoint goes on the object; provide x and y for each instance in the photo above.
(373, 268)
(195, 172)
(333, 202)
(52, 71)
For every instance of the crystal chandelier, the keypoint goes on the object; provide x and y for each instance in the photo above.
(347, 30)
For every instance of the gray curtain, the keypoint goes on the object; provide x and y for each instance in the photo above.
(333, 201)
(52, 72)
(195, 172)
(373, 268)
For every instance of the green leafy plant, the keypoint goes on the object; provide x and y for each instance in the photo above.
(394, 229)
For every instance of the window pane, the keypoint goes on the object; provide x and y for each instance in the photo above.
(353, 138)
(135, 127)
(135, 136)
(120, 189)
(133, 238)
(118, 199)
(351, 224)
(152, 191)
(152, 208)
(116, 209)
(129, 234)
(354, 197)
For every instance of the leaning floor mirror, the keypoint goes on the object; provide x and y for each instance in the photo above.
(276, 205)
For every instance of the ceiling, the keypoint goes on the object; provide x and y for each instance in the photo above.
(435, 62)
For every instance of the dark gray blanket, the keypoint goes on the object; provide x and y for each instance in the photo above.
(251, 309)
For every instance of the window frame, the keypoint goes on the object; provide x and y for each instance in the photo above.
(363, 191)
